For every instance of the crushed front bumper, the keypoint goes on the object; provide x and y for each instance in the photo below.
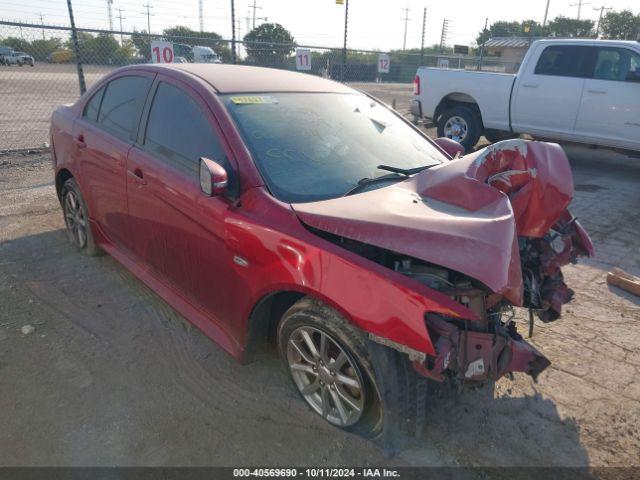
(473, 357)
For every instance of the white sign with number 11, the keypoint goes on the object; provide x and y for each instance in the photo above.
(303, 59)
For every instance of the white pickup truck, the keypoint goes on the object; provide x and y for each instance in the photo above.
(585, 91)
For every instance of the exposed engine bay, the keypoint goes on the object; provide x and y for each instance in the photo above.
(535, 179)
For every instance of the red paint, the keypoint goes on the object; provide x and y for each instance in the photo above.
(186, 245)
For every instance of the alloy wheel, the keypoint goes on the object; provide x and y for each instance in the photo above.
(75, 219)
(456, 128)
(326, 376)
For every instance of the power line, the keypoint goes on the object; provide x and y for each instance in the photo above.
(149, 14)
(546, 14)
(406, 19)
(602, 9)
(120, 17)
(42, 23)
(445, 32)
(424, 27)
(110, 13)
(254, 7)
(579, 5)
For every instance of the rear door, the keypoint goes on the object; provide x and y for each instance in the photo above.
(610, 107)
(547, 94)
(177, 230)
(102, 139)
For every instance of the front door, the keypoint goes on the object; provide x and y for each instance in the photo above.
(610, 107)
(547, 95)
(177, 230)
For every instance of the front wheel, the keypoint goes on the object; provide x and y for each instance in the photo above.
(460, 124)
(327, 360)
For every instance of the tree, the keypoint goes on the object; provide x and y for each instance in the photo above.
(622, 25)
(570, 27)
(18, 44)
(41, 49)
(142, 43)
(269, 44)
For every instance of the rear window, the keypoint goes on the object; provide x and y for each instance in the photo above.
(122, 103)
(563, 61)
(93, 106)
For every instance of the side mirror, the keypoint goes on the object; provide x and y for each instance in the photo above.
(633, 76)
(451, 147)
(213, 177)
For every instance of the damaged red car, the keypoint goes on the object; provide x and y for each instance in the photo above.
(269, 206)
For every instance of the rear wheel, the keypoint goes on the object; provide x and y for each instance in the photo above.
(460, 124)
(76, 218)
(327, 360)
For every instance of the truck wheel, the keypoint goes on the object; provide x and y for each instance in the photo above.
(328, 362)
(76, 219)
(460, 124)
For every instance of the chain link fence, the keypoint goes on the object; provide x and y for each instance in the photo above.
(39, 71)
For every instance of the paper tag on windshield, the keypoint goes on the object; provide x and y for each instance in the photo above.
(253, 99)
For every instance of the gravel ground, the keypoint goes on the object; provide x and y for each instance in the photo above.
(113, 376)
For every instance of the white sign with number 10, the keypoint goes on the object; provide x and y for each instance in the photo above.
(161, 51)
(303, 59)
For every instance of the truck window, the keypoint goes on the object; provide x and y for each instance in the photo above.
(563, 61)
(615, 64)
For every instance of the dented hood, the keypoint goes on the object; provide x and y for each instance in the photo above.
(459, 214)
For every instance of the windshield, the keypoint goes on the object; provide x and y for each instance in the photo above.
(316, 146)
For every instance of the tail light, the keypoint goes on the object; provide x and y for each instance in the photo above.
(416, 85)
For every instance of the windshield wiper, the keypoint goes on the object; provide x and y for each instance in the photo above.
(405, 171)
(363, 182)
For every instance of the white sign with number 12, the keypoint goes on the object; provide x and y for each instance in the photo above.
(161, 51)
(383, 63)
(303, 59)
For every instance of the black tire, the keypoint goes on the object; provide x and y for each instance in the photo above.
(495, 136)
(310, 314)
(468, 138)
(75, 213)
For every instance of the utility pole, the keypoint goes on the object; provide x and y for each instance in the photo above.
(42, 23)
(201, 15)
(344, 45)
(120, 17)
(148, 13)
(254, 7)
(406, 19)
(602, 9)
(76, 48)
(233, 31)
(579, 5)
(424, 27)
(546, 14)
(110, 13)
(443, 35)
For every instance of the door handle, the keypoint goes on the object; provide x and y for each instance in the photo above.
(596, 91)
(137, 176)
(79, 141)
(530, 85)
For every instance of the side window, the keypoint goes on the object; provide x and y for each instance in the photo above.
(121, 105)
(563, 61)
(616, 64)
(93, 105)
(179, 132)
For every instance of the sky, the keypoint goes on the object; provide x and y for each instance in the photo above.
(373, 24)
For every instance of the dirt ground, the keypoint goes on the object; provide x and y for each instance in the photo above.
(113, 376)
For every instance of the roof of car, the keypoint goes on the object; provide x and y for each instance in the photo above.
(226, 78)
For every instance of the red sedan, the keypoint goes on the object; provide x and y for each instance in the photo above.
(272, 206)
